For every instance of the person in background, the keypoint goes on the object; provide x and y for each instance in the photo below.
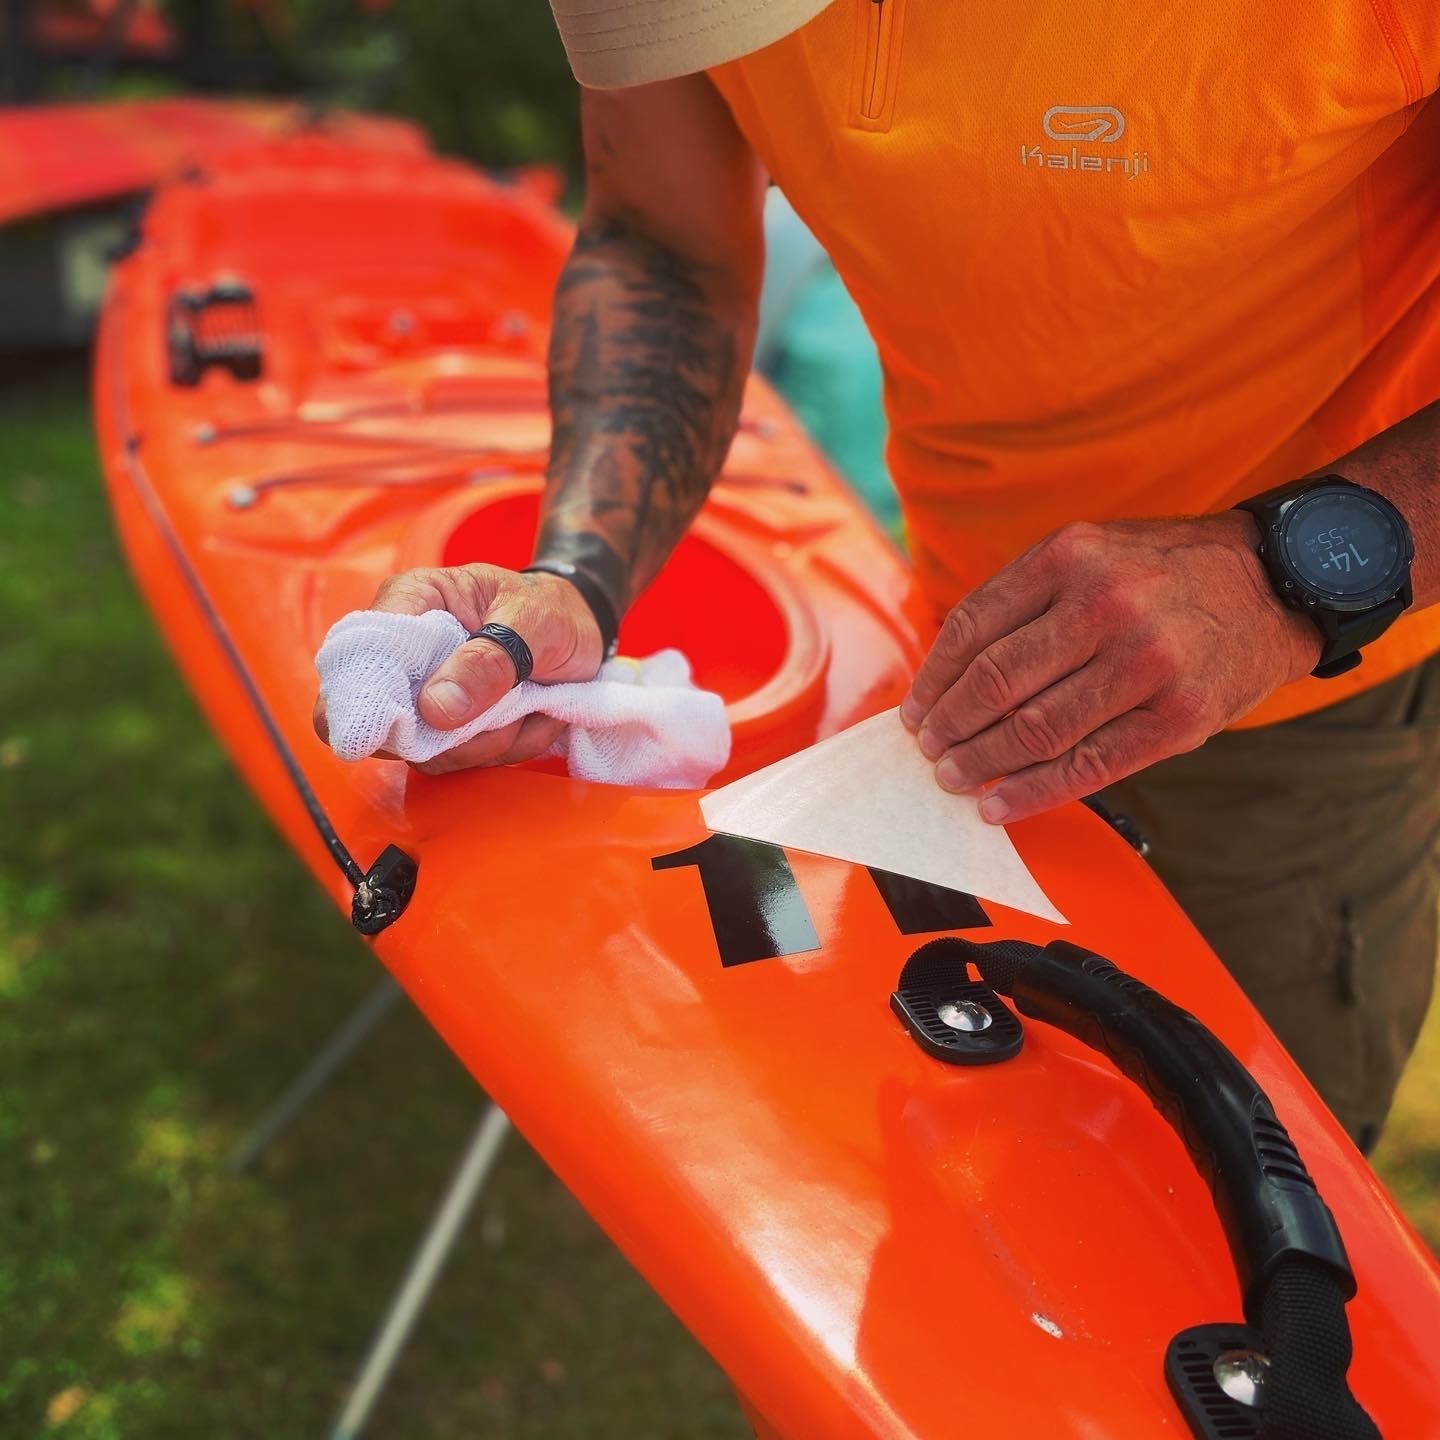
(813, 346)
(1156, 290)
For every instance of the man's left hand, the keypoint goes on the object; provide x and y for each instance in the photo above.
(1100, 651)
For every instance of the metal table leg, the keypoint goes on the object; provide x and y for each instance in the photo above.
(316, 1075)
(421, 1274)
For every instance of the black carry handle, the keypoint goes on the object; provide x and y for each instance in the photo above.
(1293, 1268)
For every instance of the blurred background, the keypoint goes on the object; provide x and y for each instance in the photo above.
(165, 965)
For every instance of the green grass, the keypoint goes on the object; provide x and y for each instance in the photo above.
(164, 966)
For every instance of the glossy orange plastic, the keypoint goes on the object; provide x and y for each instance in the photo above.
(870, 1243)
(61, 157)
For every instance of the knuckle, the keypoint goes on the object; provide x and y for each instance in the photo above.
(407, 585)
(483, 661)
(1035, 733)
(1160, 655)
(958, 632)
(989, 683)
(1187, 710)
(1076, 542)
(1120, 601)
(1087, 767)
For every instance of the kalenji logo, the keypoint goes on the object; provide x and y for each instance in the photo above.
(1084, 122)
(1085, 125)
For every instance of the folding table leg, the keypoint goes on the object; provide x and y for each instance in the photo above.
(421, 1274)
(316, 1075)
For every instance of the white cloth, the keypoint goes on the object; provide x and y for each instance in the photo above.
(639, 722)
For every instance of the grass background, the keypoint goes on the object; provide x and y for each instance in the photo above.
(164, 967)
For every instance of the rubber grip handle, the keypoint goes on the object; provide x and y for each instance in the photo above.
(1265, 1197)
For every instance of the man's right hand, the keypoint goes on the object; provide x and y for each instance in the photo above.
(547, 612)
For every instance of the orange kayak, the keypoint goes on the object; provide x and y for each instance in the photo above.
(321, 366)
(64, 157)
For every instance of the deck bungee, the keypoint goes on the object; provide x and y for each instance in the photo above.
(321, 366)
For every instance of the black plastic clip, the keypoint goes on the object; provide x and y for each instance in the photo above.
(217, 327)
(1119, 822)
(952, 1017)
(381, 897)
(1196, 1363)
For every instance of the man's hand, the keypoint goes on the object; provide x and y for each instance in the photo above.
(547, 612)
(1100, 651)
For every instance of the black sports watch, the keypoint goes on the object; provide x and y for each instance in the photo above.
(1342, 554)
(603, 608)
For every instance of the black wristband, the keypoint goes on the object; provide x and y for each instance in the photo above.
(601, 606)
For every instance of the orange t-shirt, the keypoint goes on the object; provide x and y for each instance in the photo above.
(1120, 260)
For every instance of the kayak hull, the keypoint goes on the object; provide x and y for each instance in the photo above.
(871, 1243)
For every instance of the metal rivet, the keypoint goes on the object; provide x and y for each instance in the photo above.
(242, 497)
(965, 1015)
(1242, 1374)
(204, 433)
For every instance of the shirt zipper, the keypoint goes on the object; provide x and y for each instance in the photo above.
(879, 19)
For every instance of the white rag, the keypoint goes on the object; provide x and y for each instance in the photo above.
(639, 722)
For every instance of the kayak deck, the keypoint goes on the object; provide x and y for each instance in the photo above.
(694, 1033)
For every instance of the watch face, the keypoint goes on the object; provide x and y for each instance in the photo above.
(1342, 544)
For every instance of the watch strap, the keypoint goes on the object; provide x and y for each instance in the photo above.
(601, 606)
(1346, 635)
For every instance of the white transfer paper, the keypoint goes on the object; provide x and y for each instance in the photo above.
(869, 796)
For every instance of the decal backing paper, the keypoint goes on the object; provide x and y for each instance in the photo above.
(869, 796)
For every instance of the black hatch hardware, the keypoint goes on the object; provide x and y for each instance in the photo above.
(951, 1016)
(381, 897)
(214, 328)
(1217, 1374)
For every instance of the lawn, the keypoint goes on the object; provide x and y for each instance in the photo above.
(164, 967)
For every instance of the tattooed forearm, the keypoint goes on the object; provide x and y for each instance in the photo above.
(647, 364)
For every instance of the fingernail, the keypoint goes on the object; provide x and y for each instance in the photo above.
(947, 772)
(910, 714)
(930, 745)
(994, 810)
(452, 700)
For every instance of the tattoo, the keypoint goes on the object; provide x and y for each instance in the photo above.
(646, 376)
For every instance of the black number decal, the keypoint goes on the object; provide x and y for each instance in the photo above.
(918, 906)
(755, 905)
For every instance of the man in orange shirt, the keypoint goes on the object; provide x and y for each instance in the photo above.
(1128, 268)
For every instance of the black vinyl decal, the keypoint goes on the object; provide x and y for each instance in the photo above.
(755, 905)
(918, 906)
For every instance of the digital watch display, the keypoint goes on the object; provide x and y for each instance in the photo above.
(1342, 544)
(1342, 554)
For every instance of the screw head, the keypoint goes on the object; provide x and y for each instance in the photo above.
(1242, 1374)
(242, 497)
(965, 1015)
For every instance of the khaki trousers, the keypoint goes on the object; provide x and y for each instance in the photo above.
(1306, 854)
